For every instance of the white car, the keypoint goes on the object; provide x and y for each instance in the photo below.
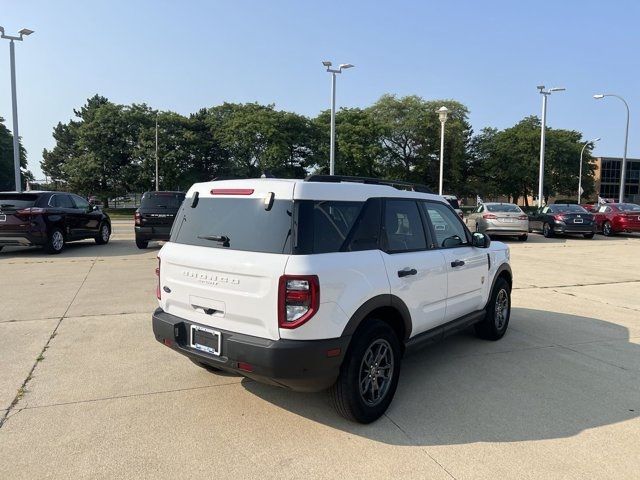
(324, 283)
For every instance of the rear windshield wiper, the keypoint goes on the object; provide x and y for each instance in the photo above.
(216, 238)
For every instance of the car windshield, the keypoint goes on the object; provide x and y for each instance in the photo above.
(567, 209)
(17, 201)
(504, 208)
(454, 203)
(162, 200)
(629, 207)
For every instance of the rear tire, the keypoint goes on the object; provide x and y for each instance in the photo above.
(588, 235)
(497, 312)
(55, 243)
(104, 233)
(142, 244)
(547, 231)
(607, 231)
(523, 238)
(369, 374)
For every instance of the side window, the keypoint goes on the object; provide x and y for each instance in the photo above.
(80, 203)
(64, 201)
(607, 209)
(403, 226)
(366, 231)
(53, 201)
(447, 226)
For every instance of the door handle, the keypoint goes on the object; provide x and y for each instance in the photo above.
(457, 263)
(406, 272)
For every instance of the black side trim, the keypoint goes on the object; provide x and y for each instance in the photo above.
(441, 331)
(385, 300)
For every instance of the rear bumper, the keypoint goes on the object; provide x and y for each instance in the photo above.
(153, 233)
(301, 365)
(628, 227)
(573, 228)
(22, 238)
(506, 231)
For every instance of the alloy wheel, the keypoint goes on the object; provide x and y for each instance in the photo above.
(501, 309)
(105, 233)
(376, 372)
(57, 240)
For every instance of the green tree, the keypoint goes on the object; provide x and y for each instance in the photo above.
(7, 177)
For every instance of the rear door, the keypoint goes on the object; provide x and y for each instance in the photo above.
(88, 219)
(416, 271)
(467, 266)
(223, 263)
(72, 221)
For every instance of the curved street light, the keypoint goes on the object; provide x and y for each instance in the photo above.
(442, 115)
(333, 72)
(623, 168)
(545, 94)
(590, 142)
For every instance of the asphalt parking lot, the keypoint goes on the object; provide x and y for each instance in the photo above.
(87, 392)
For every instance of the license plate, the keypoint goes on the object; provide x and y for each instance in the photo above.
(205, 340)
(508, 220)
(3, 218)
(578, 220)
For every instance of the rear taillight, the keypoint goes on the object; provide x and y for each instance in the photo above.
(158, 291)
(137, 218)
(489, 216)
(298, 299)
(522, 217)
(26, 213)
(558, 217)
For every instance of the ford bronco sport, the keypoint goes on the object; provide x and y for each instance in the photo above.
(324, 283)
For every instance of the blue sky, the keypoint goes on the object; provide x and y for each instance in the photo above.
(181, 56)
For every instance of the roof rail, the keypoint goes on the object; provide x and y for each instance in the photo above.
(398, 184)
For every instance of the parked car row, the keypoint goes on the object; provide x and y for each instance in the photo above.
(508, 219)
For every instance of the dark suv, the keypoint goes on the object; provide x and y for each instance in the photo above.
(50, 220)
(154, 218)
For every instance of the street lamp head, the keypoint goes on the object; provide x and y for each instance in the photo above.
(344, 66)
(557, 89)
(1, 30)
(598, 96)
(442, 113)
(327, 63)
(25, 32)
(596, 139)
(540, 87)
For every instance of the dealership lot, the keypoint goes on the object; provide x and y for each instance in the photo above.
(88, 393)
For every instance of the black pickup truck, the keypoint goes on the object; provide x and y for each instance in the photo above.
(154, 218)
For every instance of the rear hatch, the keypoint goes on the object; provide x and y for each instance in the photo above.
(227, 251)
(158, 209)
(15, 211)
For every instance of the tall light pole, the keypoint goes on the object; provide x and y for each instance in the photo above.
(442, 114)
(157, 180)
(590, 142)
(623, 170)
(545, 94)
(333, 72)
(14, 101)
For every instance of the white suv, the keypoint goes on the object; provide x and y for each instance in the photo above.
(324, 282)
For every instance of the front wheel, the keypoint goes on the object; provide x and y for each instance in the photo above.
(497, 312)
(606, 229)
(103, 234)
(369, 374)
(142, 244)
(523, 238)
(55, 242)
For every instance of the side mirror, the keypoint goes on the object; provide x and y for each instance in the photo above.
(94, 208)
(480, 240)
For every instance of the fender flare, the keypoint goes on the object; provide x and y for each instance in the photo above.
(505, 267)
(384, 300)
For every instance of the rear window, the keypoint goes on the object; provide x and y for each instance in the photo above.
(629, 207)
(504, 208)
(567, 209)
(454, 203)
(236, 224)
(171, 200)
(17, 201)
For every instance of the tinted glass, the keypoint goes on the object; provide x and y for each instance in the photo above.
(80, 203)
(629, 207)
(567, 209)
(16, 201)
(504, 208)
(453, 202)
(448, 229)
(62, 201)
(170, 200)
(366, 231)
(324, 226)
(245, 222)
(403, 226)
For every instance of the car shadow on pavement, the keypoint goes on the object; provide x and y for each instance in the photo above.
(553, 375)
(82, 249)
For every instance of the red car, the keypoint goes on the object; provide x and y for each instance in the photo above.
(617, 217)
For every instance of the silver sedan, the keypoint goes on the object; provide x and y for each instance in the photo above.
(499, 219)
